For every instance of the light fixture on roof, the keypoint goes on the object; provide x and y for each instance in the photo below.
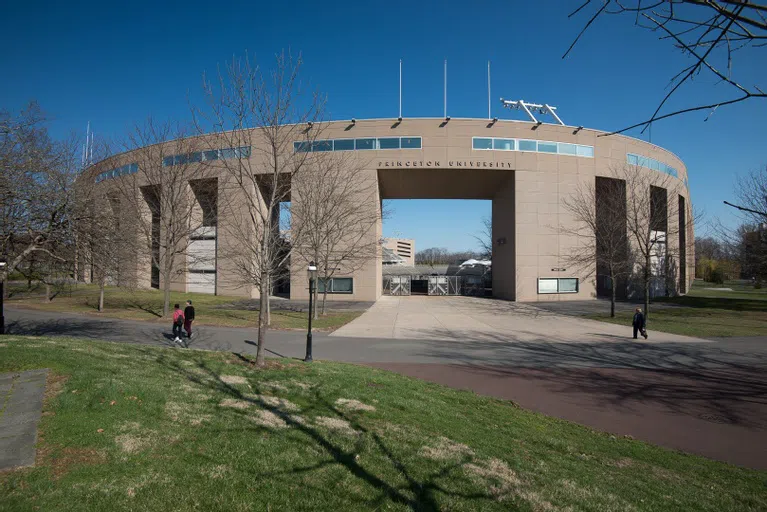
(447, 118)
(310, 124)
(399, 119)
(354, 121)
(577, 130)
(529, 108)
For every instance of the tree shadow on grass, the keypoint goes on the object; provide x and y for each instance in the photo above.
(416, 494)
(724, 303)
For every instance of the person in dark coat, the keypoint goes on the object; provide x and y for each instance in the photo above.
(639, 323)
(188, 318)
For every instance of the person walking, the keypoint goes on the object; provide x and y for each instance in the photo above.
(178, 323)
(639, 323)
(188, 318)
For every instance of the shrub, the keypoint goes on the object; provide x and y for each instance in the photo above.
(717, 276)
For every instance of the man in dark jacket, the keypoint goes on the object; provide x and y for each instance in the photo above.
(188, 318)
(639, 323)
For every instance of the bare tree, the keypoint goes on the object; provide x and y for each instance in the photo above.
(600, 232)
(485, 239)
(710, 32)
(36, 192)
(156, 195)
(99, 237)
(336, 206)
(652, 213)
(261, 117)
(432, 256)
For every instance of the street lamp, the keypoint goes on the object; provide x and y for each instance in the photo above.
(311, 273)
(2, 294)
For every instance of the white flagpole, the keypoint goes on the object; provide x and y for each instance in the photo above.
(489, 112)
(445, 80)
(400, 88)
(91, 148)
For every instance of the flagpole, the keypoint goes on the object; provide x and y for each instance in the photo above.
(445, 93)
(489, 112)
(400, 88)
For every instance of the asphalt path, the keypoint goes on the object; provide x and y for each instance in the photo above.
(708, 398)
(502, 351)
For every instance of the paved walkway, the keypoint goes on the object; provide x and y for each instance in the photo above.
(21, 404)
(705, 397)
(477, 319)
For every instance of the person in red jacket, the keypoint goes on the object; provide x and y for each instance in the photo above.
(178, 323)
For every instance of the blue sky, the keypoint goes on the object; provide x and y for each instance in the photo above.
(115, 65)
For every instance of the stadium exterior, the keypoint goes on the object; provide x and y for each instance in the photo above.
(526, 169)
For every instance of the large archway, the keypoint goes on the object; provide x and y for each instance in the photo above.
(497, 185)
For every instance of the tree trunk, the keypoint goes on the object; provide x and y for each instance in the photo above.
(612, 297)
(324, 300)
(47, 293)
(269, 306)
(101, 295)
(263, 289)
(166, 298)
(647, 277)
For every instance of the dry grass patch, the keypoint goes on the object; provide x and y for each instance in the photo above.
(186, 413)
(274, 401)
(353, 405)
(234, 404)
(336, 425)
(504, 483)
(274, 386)
(268, 419)
(219, 471)
(233, 380)
(130, 443)
(62, 459)
(445, 449)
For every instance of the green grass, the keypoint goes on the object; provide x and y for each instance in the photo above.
(146, 305)
(146, 428)
(706, 313)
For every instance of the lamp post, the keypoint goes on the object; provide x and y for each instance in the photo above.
(2, 294)
(311, 273)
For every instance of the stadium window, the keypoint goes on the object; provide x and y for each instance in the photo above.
(632, 159)
(528, 145)
(301, 147)
(322, 145)
(210, 155)
(336, 285)
(410, 142)
(167, 161)
(481, 143)
(343, 145)
(243, 151)
(503, 144)
(388, 143)
(567, 149)
(364, 144)
(551, 285)
(587, 151)
(547, 147)
(228, 153)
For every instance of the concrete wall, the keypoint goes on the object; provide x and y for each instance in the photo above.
(527, 190)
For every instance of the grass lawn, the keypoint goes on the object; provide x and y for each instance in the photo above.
(704, 312)
(147, 305)
(146, 428)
